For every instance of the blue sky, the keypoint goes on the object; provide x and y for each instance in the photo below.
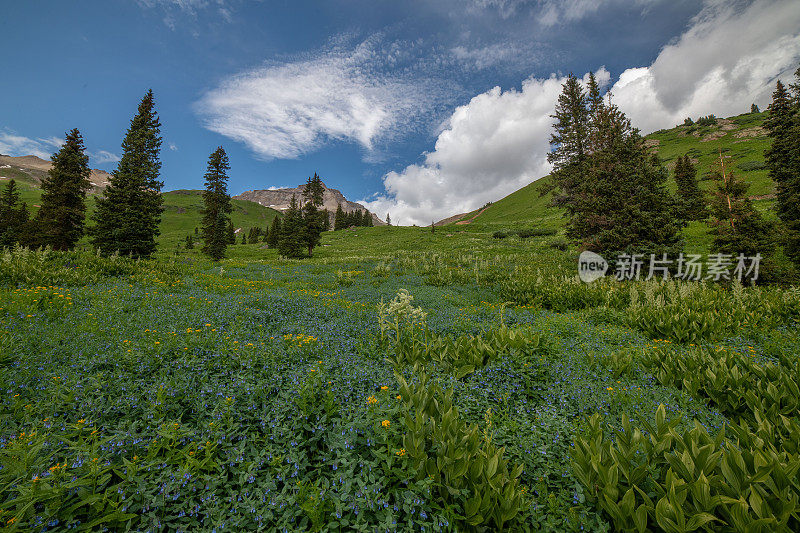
(421, 109)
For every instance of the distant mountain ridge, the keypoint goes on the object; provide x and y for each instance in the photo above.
(279, 200)
(36, 168)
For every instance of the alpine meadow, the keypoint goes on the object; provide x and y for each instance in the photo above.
(561, 301)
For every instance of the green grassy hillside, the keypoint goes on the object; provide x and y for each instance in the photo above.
(182, 209)
(741, 139)
(182, 213)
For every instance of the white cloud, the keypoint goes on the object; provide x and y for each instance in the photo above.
(173, 147)
(728, 59)
(43, 147)
(287, 110)
(553, 12)
(490, 147)
(18, 145)
(104, 156)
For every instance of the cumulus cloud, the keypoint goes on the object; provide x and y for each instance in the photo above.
(288, 110)
(18, 145)
(490, 147)
(729, 58)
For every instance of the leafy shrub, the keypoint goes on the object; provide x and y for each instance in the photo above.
(500, 234)
(695, 313)
(660, 478)
(735, 384)
(45, 267)
(412, 344)
(559, 244)
(559, 293)
(471, 476)
(751, 482)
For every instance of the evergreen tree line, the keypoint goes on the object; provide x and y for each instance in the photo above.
(254, 235)
(294, 235)
(344, 220)
(126, 217)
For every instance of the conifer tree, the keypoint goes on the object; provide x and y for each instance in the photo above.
(127, 216)
(783, 161)
(737, 227)
(313, 223)
(314, 190)
(60, 220)
(216, 223)
(244, 237)
(339, 218)
(274, 233)
(13, 217)
(612, 188)
(569, 139)
(691, 200)
(388, 220)
(326, 220)
(290, 242)
(189, 242)
(9, 198)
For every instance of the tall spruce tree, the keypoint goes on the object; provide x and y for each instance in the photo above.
(314, 190)
(313, 223)
(13, 216)
(60, 220)
(127, 216)
(783, 161)
(613, 190)
(290, 242)
(569, 139)
(217, 206)
(691, 200)
(274, 233)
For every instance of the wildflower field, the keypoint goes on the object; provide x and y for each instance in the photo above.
(422, 391)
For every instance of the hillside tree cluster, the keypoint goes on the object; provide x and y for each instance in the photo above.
(783, 162)
(358, 218)
(612, 188)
